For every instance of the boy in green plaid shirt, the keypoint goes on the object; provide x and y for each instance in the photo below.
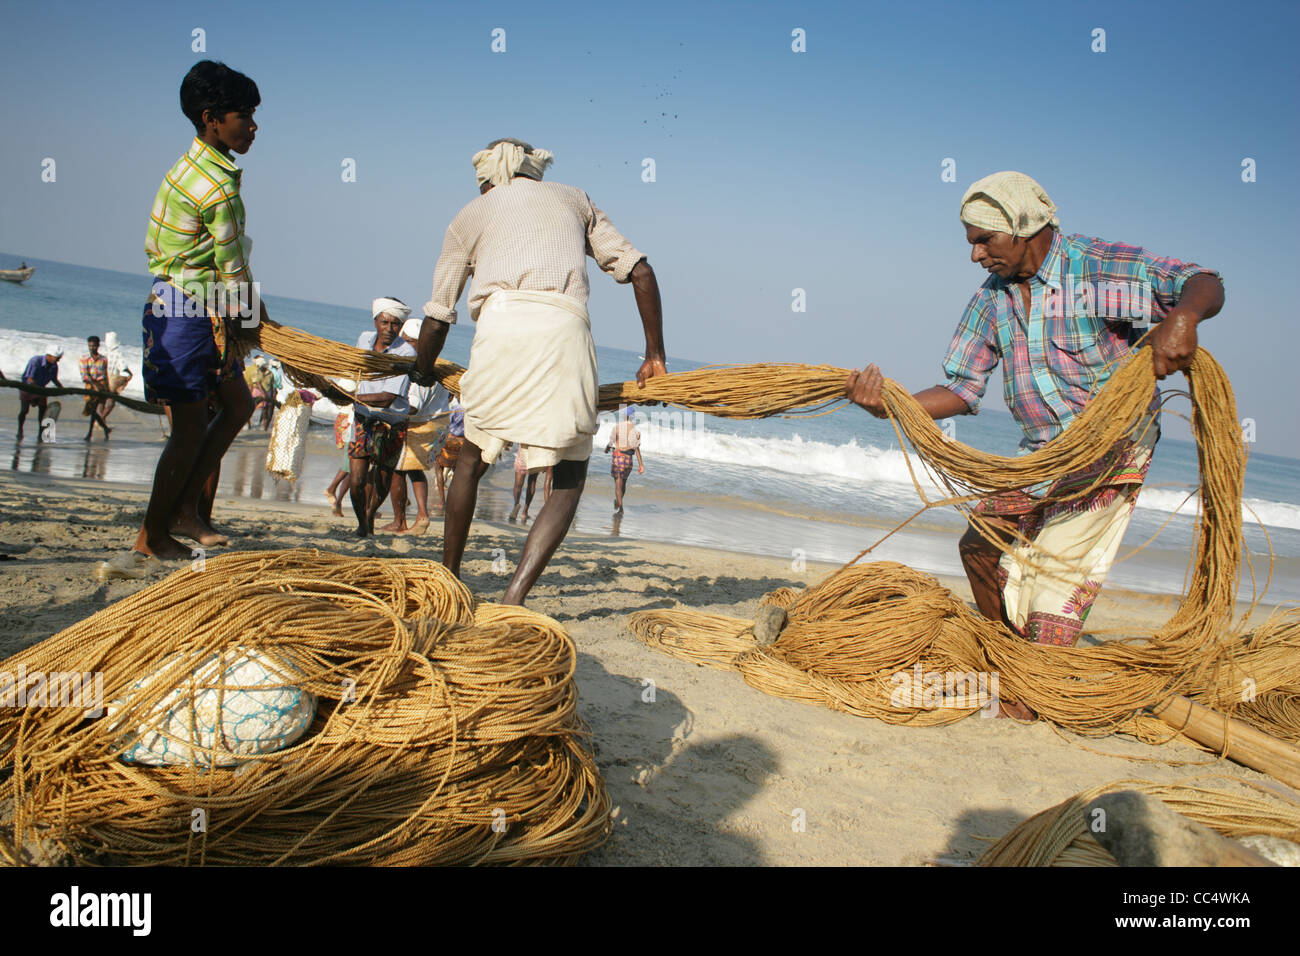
(198, 256)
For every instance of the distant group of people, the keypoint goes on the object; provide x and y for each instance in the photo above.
(395, 430)
(102, 371)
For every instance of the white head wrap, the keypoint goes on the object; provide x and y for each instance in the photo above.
(110, 341)
(53, 349)
(390, 306)
(412, 327)
(501, 162)
(1008, 202)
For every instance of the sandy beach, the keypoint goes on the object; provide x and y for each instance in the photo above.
(710, 772)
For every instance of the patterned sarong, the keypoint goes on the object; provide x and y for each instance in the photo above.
(1049, 585)
(620, 465)
(378, 441)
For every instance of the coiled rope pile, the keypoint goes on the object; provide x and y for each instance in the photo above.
(1060, 836)
(849, 635)
(446, 733)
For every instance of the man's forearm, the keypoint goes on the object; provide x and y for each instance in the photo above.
(648, 303)
(377, 399)
(940, 402)
(1202, 297)
(433, 335)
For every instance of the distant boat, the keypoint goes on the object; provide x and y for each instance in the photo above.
(17, 275)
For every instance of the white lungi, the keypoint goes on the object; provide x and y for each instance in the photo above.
(532, 379)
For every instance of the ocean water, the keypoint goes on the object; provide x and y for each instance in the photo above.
(836, 482)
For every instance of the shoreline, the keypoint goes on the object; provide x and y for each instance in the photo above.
(726, 522)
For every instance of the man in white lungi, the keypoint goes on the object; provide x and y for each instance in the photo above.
(532, 370)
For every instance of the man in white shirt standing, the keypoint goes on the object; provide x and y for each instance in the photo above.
(532, 370)
(426, 427)
(381, 409)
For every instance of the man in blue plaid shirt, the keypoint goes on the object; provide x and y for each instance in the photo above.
(1060, 312)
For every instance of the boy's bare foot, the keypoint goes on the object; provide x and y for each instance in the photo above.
(198, 530)
(396, 526)
(421, 525)
(361, 532)
(514, 512)
(166, 548)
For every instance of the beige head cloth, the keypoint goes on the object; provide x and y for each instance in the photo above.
(507, 158)
(1008, 202)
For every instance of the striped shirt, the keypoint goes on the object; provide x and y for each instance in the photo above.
(1089, 302)
(529, 235)
(196, 228)
(94, 370)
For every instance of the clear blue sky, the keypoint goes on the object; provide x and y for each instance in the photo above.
(775, 169)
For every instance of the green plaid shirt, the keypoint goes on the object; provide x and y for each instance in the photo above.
(196, 228)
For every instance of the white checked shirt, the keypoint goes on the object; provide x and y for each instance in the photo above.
(398, 385)
(528, 235)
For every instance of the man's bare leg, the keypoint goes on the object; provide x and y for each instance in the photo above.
(189, 427)
(462, 499)
(529, 494)
(420, 492)
(23, 408)
(518, 491)
(357, 473)
(620, 485)
(209, 495)
(442, 486)
(376, 493)
(96, 419)
(398, 489)
(549, 529)
(234, 404)
(980, 559)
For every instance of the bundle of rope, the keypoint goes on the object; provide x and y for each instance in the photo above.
(743, 391)
(851, 635)
(445, 733)
(1060, 835)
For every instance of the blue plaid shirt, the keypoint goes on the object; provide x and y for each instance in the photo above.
(1089, 302)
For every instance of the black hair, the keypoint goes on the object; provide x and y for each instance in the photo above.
(513, 142)
(216, 88)
(92, 338)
